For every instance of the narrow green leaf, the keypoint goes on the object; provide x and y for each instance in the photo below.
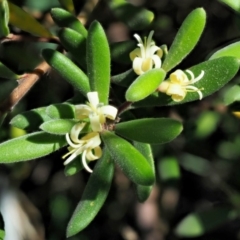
(124, 79)
(197, 224)
(150, 130)
(232, 95)
(30, 146)
(68, 5)
(64, 18)
(23, 20)
(186, 38)
(58, 126)
(67, 69)
(98, 61)
(234, 4)
(75, 43)
(120, 51)
(94, 195)
(130, 160)
(5, 72)
(61, 110)
(143, 192)
(4, 18)
(137, 18)
(218, 72)
(30, 120)
(145, 84)
(230, 50)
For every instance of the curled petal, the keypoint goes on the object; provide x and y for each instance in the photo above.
(137, 65)
(152, 50)
(135, 53)
(95, 122)
(157, 61)
(109, 111)
(195, 89)
(93, 98)
(82, 111)
(75, 131)
(147, 64)
(84, 162)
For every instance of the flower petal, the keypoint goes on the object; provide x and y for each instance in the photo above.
(95, 122)
(137, 65)
(157, 61)
(93, 98)
(135, 53)
(109, 111)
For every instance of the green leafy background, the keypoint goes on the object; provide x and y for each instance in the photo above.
(201, 177)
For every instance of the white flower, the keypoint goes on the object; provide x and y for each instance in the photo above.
(146, 56)
(178, 85)
(88, 146)
(95, 111)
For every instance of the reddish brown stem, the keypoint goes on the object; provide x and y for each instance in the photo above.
(24, 85)
(126, 105)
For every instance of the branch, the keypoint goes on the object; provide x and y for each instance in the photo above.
(24, 85)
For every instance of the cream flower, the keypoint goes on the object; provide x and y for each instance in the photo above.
(178, 85)
(95, 111)
(146, 56)
(88, 146)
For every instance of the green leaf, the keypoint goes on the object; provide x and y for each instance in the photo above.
(186, 38)
(73, 167)
(150, 130)
(4, 18)
(75, 43)
(218, 72)
(145, 84)
(58, 126)
(5, 72)
(124, 79)
(67, 69)
(120, 51)
(168, 168)
(137, 18)
(143, 192)
(230, 50)
(61, 110)
(199, 223)
(30, 146)
(64, 18)
(130, 160)
(232, 95)
(30, 120)
(98, 61)
(23, 20)
(68, 5)
(234, 4)
(94, 195)
(2, 234)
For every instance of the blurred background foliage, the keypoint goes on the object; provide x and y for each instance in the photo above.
(197, 193)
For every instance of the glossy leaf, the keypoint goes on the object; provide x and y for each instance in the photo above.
(64, 18)
(5, 72)
(137, 18)
(94, 195)
(30, 120)
(68, 5)
(98, 61)
(120, 51)
(75, 43)
(23, 20)
(61, 110)
(234, 4)
(67, 69)
(58, 126)
(124, 79)
(230, 50)
(4, 18)
(145, 84)
(197, 224)
(186, 38)
(168, 169)
(130, 160)
(143, 192)
(30, 146)
(217, 73)
(150, 130)
(232, 95)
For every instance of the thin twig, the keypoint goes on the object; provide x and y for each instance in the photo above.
(124, 107)
(27, 38)
(24, 85)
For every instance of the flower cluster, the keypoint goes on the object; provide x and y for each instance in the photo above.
(178, 85)
(92, 116)
(146, 56)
